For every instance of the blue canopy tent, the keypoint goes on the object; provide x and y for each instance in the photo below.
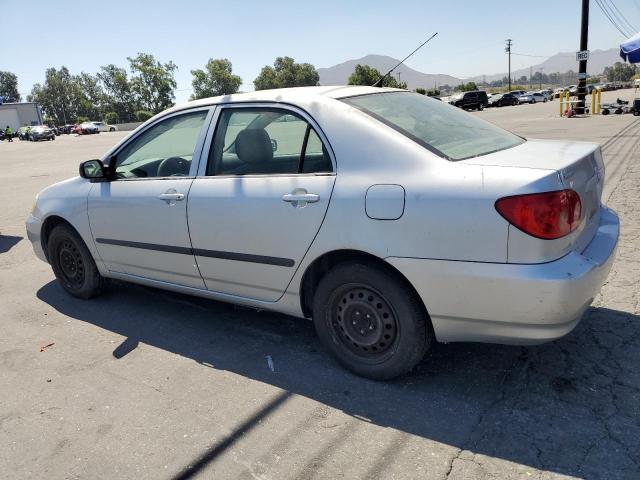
(630, 50)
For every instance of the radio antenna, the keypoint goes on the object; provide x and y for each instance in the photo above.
(381, 79)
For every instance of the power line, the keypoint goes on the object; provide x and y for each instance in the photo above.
(539, 56)
(621, 17)
(608, 15)
(605, 10)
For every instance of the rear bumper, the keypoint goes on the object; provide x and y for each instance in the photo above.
(513, 303)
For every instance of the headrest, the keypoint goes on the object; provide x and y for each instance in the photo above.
(254, 145)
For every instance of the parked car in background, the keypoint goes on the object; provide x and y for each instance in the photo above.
(557, 92)
(517, 93)
(635, 107)
(532, 97)
(23, 133)
(475, 100)
(547, 93)
(86, 128)
(502, 100)
(104, 127)
(573, 90)
(389, 218)
(41, 132)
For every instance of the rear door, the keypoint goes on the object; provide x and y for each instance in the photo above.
(258, 203)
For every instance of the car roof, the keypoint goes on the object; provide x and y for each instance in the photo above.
(286, 95)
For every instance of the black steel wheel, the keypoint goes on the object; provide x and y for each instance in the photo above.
(72, 263)
(371, 320)
(364, 322)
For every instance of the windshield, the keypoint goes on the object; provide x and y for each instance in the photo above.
(441, 128)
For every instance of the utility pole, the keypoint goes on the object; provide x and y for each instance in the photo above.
(508, 50)
(530, 76)
(540, 77)
(399, 73)
(582, 68)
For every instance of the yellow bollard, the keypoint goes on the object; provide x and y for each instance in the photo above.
(568, 100)
(593, 101)
(560, 98)
(598, 104)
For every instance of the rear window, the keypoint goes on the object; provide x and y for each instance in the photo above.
(441, 128)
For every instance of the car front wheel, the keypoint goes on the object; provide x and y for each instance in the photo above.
(370, 321)
(72, 263)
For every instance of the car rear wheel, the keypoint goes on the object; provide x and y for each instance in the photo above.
(370, 321)
(480, 107)
(72, 263)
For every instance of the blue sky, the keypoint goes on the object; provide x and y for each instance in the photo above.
(84, 36)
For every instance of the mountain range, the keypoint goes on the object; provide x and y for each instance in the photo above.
(561, 62)
(339, 74)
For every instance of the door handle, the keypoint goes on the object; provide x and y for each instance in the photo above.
(171, 196)
(301, 197)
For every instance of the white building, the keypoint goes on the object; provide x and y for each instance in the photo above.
(17, 115)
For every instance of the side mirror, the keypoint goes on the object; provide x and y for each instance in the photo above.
(274, 144)
(93, 170)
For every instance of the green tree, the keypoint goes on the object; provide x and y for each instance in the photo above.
(421, 91)
(286, 73)
(216, 79)
(467, 87)
(60, 96)
(118, 95)
(367, 75)
(9, 87)
(620, 72)
(152, 83)
(111, 117)
(91, 95)
(143, 115)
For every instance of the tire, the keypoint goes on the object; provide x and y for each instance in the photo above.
(112, 129)
(393, 337)
(480, 107)
(72, 263)
(636, 113)
(605, 111)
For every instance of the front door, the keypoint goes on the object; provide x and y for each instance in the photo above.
(257, 209)
(139, 220)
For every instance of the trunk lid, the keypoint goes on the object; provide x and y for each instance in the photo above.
(579, 167)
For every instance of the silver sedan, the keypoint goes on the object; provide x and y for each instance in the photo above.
(391, 219)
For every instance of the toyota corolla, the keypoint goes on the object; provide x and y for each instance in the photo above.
(389, 218)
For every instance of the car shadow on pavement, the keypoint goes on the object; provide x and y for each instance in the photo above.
(571, 406)
(7, 242)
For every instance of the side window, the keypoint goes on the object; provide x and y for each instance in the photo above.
(164, 150)
(265, 141)
(316, 159)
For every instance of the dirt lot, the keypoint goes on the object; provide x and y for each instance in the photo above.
(140, 383)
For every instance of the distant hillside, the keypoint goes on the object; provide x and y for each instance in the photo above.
(562, 62)
(339, 74)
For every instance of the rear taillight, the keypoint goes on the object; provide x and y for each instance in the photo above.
(547, 215)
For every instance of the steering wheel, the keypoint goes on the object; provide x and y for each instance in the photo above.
(174, 167)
